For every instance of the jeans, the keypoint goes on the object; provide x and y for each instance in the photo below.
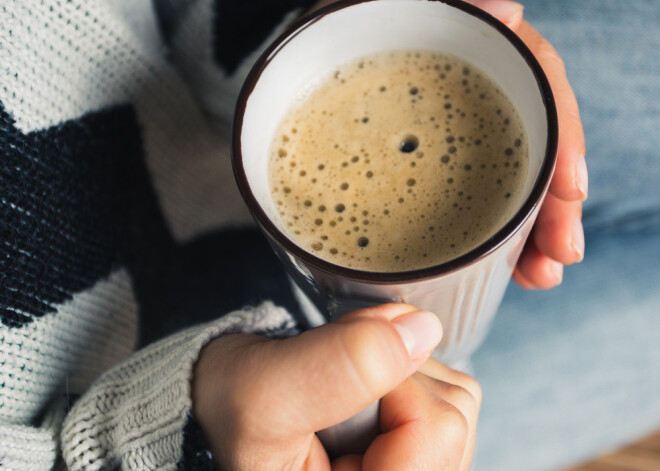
(570, 373)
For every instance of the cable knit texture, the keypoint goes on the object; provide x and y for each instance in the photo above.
(121, 226)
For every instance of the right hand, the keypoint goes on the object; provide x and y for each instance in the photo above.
(558, 236)
(260, 402)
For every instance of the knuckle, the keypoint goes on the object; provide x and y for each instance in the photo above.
(472, 386)
(548, 56)
(453, 425)
(462, 398)
(572, 109)
(570, 117)
(477, 392)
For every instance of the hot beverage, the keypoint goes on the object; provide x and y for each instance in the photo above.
(399, 161)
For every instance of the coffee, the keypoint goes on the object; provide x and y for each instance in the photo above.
(398, 161)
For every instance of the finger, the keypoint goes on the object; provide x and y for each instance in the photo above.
(570, 180)
(335, 371)
(463, 400)
(421, 432)
(538, 269)
(398, 315)
(316, 455)
(347, 463)
(437, 370)
(467, 398)
(508, 12)
(522, 281)
(558, 231)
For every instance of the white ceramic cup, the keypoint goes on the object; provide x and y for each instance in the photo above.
(465, 292)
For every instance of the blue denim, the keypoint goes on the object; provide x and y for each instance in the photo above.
(573, 372)
(612, 53)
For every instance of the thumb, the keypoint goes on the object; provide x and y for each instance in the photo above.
(338, 369)
(508, 12)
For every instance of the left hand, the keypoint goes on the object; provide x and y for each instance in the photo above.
(259, 402)
(558, 237)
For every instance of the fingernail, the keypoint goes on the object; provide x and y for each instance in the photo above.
(577, 241)
(556, 272)
(420, 331)
(582, 177)
(506, 11)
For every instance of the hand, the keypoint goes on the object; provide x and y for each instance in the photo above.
(260, 402)
(557, 238)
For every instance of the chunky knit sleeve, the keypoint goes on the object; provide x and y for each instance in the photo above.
(136, 414)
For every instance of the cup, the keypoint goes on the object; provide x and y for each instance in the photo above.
(464, 292)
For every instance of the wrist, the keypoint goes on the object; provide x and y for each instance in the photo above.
(218, 377)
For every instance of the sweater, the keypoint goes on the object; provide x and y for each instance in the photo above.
(124, 244)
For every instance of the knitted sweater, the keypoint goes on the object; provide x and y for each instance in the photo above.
(124, 245)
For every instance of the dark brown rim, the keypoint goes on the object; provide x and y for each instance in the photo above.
(502, 236)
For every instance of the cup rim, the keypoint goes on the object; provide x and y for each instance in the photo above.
(478, 253)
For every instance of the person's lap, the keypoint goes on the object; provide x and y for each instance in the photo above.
(569, 373)
(574, 371)
(610, 51)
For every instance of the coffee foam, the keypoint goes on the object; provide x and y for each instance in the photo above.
(399, 161)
